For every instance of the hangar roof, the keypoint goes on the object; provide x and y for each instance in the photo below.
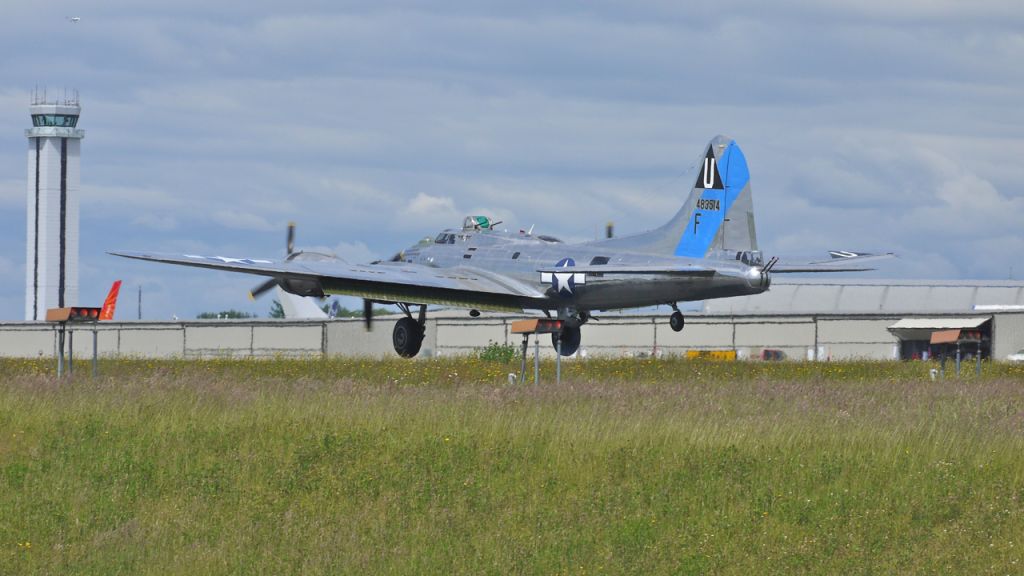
(851, 295)
(940, 323)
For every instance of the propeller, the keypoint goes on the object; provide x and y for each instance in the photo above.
(262, 288)
(269, 284)
(368, 313)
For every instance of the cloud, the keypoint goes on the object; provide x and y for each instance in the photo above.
(964, 206)
(869, 125)
(242, 221)
(427, 210)
(119, 199)
(12, 194)
(355, 252)
(8, 268)
(156, 222)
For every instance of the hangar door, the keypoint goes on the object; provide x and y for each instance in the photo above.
(915, 335)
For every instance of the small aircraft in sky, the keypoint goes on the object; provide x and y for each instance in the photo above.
(707, 250)
(74, 19)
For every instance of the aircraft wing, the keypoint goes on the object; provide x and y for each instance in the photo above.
(383, 282)
(840, 261)
(652, 270)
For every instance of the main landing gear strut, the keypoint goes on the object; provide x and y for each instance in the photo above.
(407, 336)
(676, 320)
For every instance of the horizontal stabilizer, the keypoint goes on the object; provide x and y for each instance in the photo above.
(847, 254)
(840, 261)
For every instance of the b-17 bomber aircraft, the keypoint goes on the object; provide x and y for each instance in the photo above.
(707, 250)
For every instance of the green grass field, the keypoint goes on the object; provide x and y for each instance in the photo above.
(437, 467)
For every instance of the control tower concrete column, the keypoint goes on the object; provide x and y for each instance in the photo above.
(54, 149)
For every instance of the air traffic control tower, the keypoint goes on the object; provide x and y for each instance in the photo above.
(54, 147)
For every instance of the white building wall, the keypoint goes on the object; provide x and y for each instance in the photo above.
(463, 336)
(615, 337)
(1007, 334)
(700, 333)
(296, 340)
(833, 337)
(351, 339)
(217, 341)
(843, 338)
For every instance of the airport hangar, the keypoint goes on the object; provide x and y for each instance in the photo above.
(804, 319)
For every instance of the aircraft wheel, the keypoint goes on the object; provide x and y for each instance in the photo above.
(407, 337)
(570, 340)
(676, 321)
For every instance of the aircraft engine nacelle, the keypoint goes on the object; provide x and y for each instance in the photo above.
(302, 287)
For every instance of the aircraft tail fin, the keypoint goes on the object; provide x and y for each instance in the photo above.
(107, 312)
(718, 215)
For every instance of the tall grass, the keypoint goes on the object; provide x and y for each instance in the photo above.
(442, 467)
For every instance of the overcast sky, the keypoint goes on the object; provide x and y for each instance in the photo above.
(882, 125)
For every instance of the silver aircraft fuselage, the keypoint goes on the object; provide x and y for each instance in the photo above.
(521, 256)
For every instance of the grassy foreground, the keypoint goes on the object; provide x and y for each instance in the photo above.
(328, 467)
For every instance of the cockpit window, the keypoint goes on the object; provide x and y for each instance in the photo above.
(445, 238)
(599, 260)
(548, 238)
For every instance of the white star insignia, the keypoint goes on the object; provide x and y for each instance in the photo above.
(563, 279)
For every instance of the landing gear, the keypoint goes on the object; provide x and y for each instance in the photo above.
(676, 320)
(570, 338)
(407, 336)
(570, 335)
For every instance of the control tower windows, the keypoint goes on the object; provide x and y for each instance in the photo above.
(59, 120)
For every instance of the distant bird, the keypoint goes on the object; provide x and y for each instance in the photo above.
(74, 19)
